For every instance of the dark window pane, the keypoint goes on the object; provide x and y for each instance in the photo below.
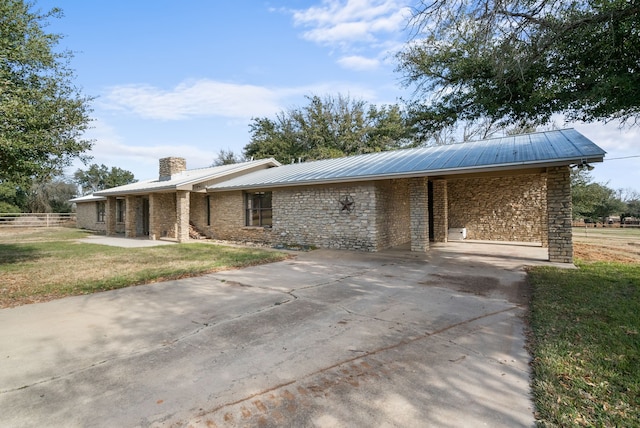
(258, 209)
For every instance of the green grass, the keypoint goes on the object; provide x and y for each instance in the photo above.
(585, 345)
(51, 264)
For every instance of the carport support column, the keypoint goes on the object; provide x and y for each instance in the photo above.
(110, 215)
(419, 209)
(440, 211)
(182, 215)
(130, 218)
(154, 220)
(559, 215)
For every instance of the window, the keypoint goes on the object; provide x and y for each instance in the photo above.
(258, 209)
(120, 210)
(101, 208)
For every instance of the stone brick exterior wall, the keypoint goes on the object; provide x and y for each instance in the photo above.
(87, 215)
(509, 208)
(392, 213)
(419, 207)
(310, 215)
(134, 219)
(198, 211)
(162, 215)
(315, 216)
(440, 211)
(559, 218)
(227, 215)
(183, 205)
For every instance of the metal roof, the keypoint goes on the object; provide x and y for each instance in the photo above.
(187, 179)
(88, 198)
(549, 148)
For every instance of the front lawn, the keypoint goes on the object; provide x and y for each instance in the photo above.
(46, 264)
(585, 345)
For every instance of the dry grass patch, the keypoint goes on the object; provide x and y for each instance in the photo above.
(47, 264)
(620, 245)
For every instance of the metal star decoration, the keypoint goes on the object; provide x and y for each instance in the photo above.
(346, 204)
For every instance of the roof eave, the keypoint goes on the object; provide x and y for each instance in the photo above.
(188, 184)
(136, 191)
(440, 172)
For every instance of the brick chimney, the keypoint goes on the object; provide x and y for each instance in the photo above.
(171, 166)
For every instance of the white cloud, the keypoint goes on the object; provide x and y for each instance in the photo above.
(336, 22)
(194, 98)
(209, 98)
(111, 149)
(359, 63)
(611, 137)
(621, 167)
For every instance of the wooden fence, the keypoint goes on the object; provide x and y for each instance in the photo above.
(37, 220)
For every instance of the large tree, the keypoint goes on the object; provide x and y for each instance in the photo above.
(100, 177)
(50, 196)
(594, 201)
(43, 113)
(39, 196)
(328, 127)
(521, 61)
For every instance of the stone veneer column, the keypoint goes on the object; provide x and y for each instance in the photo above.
(130, 218)
(110, 215)
(440, 211)
(182, 215)
(559, 215)
(154, 222)
(419, 208)
(544, 216)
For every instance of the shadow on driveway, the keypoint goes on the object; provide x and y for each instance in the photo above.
(329, 338)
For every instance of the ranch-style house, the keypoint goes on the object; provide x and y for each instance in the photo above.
(513, 188)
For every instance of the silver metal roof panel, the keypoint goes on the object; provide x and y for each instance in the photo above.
(187, 178)
(560, 147)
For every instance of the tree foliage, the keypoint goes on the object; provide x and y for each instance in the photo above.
(521, 61)
(593, 201)
(39, 196)
(43, 115)
(50, 196)
(633, 208)
(227, 157)
(328, 127)
(100, 177)
(12, 198)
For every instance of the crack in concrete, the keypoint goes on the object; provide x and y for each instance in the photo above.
(363, 354)
(371, 317)
(167, 343)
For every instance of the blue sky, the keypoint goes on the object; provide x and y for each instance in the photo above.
(185, 78)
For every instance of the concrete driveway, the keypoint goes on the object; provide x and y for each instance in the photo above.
(327, 339)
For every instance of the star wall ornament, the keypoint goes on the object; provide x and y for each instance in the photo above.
(346, 204)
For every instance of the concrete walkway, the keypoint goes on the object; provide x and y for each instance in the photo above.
(121, 241)
(327, 339)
